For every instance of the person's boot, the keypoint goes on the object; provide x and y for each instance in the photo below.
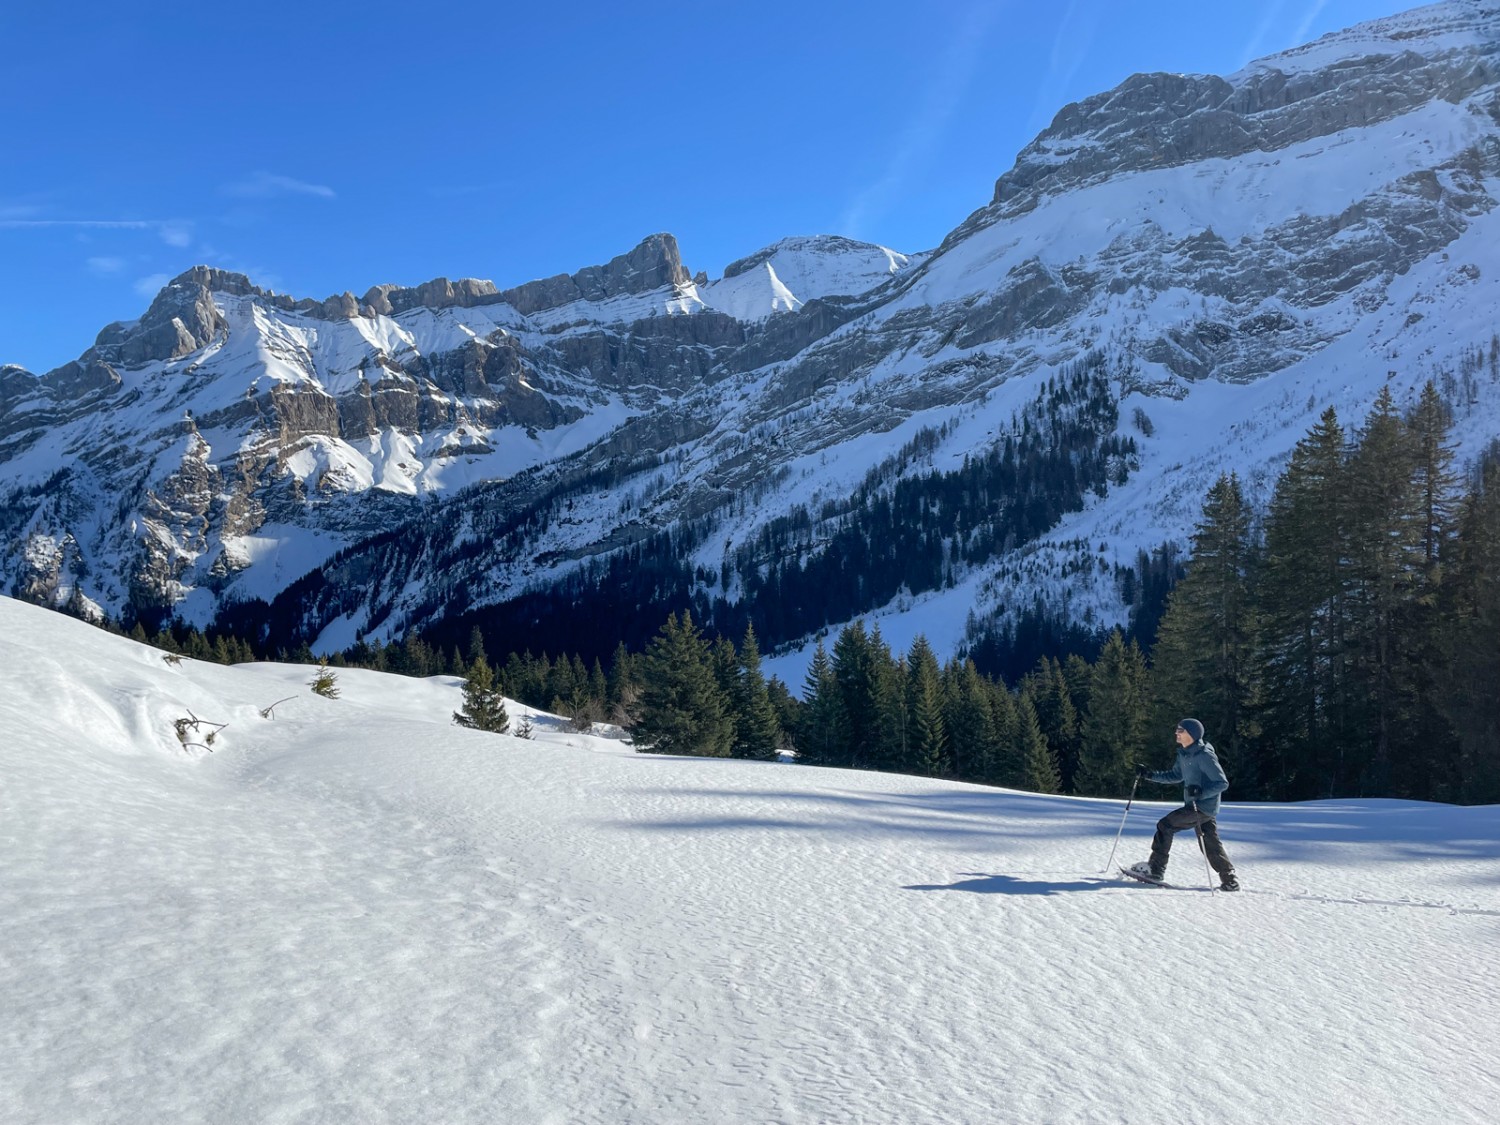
(1228, 882)
(1147, 872)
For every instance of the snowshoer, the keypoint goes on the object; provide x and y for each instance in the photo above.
(1202, 779)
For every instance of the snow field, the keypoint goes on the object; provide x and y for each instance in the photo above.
(357, 912)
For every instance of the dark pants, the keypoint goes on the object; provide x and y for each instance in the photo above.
(1179, 820)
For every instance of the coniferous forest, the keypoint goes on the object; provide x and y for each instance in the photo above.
(1344, 642)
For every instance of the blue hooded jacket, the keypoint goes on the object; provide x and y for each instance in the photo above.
(1197, 764)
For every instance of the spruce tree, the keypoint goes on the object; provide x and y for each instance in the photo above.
(1387, 572)
(682, 708)
(928, 738)
(788, 711)
(476, 645)
(1302, 607)
(1427, 769)
(484, 706)
(623, 688)
(726, 667)
(969, 722)
(1047, 688)
(1038, 758)
(1469, 698)
(1009, 767)
(325, 682)
(820, 733)
(854, 669)
(1115, 722)
(1436, 483)
(757, 732)
(1203, 661)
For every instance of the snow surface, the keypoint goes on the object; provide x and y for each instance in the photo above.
(356, 911)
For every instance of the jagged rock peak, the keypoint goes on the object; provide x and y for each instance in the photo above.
(181, 319)
(652, 265)
(1365, 74)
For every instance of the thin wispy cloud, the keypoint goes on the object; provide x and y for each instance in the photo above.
(1304, 29)
(105, 266)
(103, 224)
(174, 232)
(269, 185)
(1256, 47)
(1070, 49)
(920, 135)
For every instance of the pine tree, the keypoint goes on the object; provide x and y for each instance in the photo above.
(1047, 688)
(1428, 767)
(1203, 661)
(928, 739)
(623, 688)
(973, 749)
(854, 669)
(788, 711)
(1468, 698)
(820, 734)
(1436, 484)
(1303, 594)
(757, 732)
(484, 706)
(415, 656)
(726, 667)
(683, 709)
(1114, 727)
(324, 682)
(1387, 569)
(476, 645)
(1009, 759)
(1040, 761)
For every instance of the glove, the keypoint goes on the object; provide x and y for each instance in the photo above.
(1142, 771)
(1195, 791)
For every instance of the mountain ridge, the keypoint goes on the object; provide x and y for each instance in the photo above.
(1275, 228)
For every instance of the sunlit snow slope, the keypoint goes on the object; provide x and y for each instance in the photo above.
(355, 911)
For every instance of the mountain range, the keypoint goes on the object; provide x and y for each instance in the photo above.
(1174, 280)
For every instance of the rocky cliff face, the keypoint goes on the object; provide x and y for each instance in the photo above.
(1240, 250)
(185, 449)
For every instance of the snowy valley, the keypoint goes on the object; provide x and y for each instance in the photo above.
(353, 910)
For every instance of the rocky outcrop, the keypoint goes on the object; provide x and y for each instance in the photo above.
(440, 293)
(182, 319)
(654, 264)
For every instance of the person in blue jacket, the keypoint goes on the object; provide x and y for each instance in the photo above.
(1202, 779)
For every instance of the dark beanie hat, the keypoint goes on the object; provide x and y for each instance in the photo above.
(1193, 727)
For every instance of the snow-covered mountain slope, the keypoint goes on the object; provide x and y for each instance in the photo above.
(786, 275)
(358, 911)
(230, 425)
(1233, 254)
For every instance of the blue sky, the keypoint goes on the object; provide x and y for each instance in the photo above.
(320, 148)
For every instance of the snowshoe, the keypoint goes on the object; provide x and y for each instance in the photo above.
(1143, 872)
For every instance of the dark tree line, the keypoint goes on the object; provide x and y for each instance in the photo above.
(1346, 641)
(1351, 644)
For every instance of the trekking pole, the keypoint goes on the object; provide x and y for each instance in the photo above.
(1111, 858)
(1198, 831)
